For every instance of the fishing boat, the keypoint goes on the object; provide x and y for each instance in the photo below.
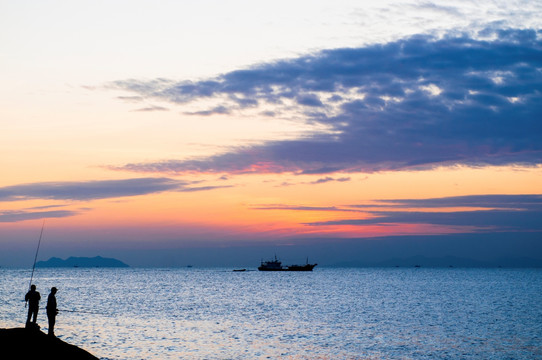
(276, 265)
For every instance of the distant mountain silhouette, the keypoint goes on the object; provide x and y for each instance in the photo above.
(447, 261)
(97, 261)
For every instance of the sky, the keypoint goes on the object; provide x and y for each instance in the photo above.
(213, 133)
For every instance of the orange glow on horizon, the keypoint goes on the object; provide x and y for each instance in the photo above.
(264, 207)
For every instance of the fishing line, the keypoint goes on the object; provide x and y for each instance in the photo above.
(76, 311)
(84, 312)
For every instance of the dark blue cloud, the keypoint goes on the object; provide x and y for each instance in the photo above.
(488, 212)
(309, 100)
(505, 202)
(468, 214)
(91, 190)
(16, 216)
(416, 102)
(330, 179)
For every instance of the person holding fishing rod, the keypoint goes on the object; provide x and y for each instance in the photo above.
(33, 298)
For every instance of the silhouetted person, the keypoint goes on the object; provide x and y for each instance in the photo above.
(52, 311)
(33, 298)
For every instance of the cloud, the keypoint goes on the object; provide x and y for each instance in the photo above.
(330, 179)
(319, 171)
(130, 99)
(506, 202)
(473, 214)
(204, 188)
(487, 212)
(437, 10)
(16, 216)
(220, 110)
(414, 103)
(152, 108)
(303, 208)
(92, 190)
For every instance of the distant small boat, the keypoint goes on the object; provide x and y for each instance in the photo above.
(276, 265)
(239, 270)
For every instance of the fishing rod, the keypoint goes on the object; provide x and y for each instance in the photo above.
(36, 257)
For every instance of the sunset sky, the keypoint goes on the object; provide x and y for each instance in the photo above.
(181, 132)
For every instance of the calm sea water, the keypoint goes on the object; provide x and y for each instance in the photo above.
(326, 314)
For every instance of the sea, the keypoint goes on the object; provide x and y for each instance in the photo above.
(330, 313)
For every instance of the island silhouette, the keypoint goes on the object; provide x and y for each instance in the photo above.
(72, 261)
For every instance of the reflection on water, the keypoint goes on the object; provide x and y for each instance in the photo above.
(326, 314)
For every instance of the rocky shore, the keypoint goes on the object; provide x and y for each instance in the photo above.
(20, 343)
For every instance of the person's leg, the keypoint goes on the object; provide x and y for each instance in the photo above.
(35, 315)
(29, 315)
(51, 324)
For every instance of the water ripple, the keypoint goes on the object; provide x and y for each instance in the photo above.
(327, 314)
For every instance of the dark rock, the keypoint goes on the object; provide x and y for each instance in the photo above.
(20, 343)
